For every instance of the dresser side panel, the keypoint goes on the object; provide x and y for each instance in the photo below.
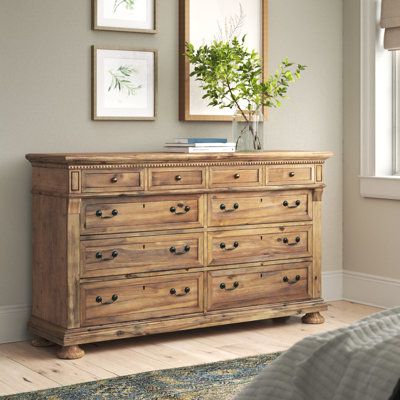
(50, 180)
(49, 259)
(317, 242)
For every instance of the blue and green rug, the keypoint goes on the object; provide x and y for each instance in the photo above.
(216, 381)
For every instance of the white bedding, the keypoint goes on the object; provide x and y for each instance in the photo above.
(361, 361)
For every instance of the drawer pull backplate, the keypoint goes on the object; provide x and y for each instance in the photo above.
(234, 246)
(114, 255)
(295, 243)
(186, 291)
(223, 286)
(179, 209)
(185, 250)
(295, 205)
(99, 213)
(234, 207)
(114, 298)
(291, 282)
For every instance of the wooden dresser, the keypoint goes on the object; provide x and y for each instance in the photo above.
(130, 244)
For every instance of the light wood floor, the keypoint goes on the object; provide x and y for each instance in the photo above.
(25, 368)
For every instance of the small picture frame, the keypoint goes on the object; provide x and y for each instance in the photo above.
(124, 84)
(125, 15)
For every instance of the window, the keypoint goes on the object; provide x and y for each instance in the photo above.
(380, 109)
(396, 112)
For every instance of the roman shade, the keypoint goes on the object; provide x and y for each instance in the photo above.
(390, 21)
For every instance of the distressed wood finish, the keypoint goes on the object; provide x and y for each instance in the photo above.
(229, 289)
(133, 244)
(103, 257)
(115, 181)
(294, 175)
(236, 176)
(255, 245)
(70, 353)
(141, 299)
(261, 207)
(314, 318)
(177, 178)
(142, 214)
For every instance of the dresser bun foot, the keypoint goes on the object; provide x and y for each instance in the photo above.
(70, 353)
(38, 341)
(313, 318)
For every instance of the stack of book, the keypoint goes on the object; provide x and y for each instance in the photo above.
(200, 145)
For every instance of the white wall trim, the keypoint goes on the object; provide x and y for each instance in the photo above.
(371, 290)
(13, 323)
(376, 118)
(367, 87)
(380, 187)
(332, 285)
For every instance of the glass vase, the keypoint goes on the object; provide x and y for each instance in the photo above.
(248, 132)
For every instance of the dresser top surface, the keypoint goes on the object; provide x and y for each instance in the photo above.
(144, 157)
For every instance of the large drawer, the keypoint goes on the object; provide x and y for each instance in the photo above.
(257, 245)
(142, 214)
(237, 288)
(104, 257)
(257, 208)
(144, 298)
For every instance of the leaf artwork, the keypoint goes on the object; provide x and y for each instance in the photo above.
(232, 26)
(129, 4)
(121, 80)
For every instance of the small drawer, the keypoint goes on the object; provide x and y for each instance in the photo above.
(141, 298)
(147, 213)
(229, 209)
(235, 176)
(177, 178)
(256, 286)
(115, 181)
(257, 245)
(105, 257)
(289, 175)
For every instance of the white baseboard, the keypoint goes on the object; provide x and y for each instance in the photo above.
(13, 323)
(371, 289)
(332, 285)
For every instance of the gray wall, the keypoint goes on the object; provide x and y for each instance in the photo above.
(45, 105)
(371, 228)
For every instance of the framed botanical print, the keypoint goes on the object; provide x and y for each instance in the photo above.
(125, 15)
(203, 21)
(124, 84)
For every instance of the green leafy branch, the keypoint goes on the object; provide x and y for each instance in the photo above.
(129, 4)
(232, 76)
(120, 80)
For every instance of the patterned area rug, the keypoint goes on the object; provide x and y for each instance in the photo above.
(221, 381)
